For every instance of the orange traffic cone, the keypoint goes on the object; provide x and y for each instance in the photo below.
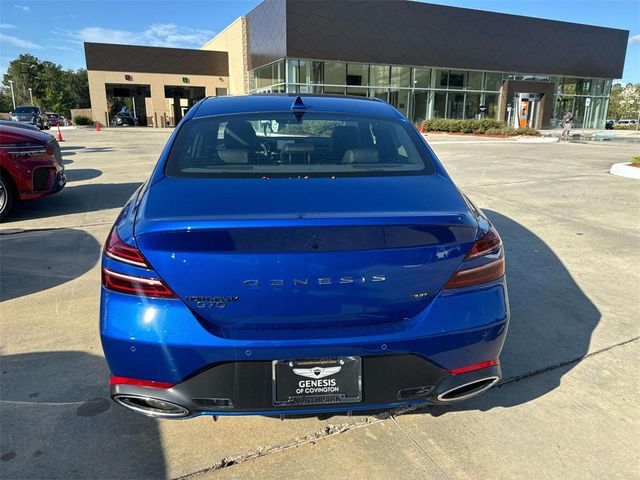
(421, 128)
(97, 126)
(59, 137)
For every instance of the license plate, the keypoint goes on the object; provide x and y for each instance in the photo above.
(317, 381)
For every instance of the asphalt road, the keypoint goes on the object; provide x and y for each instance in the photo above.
(569, 406)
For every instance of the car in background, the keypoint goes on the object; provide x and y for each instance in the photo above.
(32, 115)
(609, 124)
(30, 166)
(626, 122)
(55, 119)
(122, 119)
(328, 265)
(28, 126)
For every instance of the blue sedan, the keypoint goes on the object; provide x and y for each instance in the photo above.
(300, 254)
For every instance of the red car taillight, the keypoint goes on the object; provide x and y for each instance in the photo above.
(117, 250)
(489, 243)
(134, 285)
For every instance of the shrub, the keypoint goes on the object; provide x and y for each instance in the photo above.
(635, 161)
(624, 127)
(483, 126)
(82, 120)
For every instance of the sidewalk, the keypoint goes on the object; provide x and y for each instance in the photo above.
(590, 134)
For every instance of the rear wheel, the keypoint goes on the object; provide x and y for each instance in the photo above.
(7, 196)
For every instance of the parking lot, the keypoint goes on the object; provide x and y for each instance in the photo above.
(568, 406)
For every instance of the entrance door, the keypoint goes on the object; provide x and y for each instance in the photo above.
(527, 110)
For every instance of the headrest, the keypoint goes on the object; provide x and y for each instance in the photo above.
(360, 155)
(234, 155)
(239, 134)
(292, 147)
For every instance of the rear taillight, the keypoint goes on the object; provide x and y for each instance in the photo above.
(134, 285)
(489, 243)
(118, 250)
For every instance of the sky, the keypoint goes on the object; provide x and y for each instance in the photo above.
(55, 30)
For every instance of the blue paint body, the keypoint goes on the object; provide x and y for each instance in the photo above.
(203, 238)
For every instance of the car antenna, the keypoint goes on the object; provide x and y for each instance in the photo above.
(298, 104)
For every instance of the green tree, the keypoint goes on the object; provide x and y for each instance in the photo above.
(624, 101)
(53, 88)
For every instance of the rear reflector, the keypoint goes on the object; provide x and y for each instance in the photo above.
(133, 285)
(475, 366)
(116, 249)
(138, 382)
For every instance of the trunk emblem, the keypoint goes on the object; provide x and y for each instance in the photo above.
(296, 282)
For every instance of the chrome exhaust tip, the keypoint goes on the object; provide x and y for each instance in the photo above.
(468, 390)
(152, 407)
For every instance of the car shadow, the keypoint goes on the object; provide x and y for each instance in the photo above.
(58, 422)
(552, 321)
(28, 265)
(75, 199)
(80, 174)
(66, 148)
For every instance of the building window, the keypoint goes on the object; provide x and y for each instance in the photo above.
(423, 92)
(358, 91)
(456, 79)
(421, 77)
(472, 106)
(491, 102)
(380, 75)
(493, 82)
(401, 77)
(569, 86)
(420, 106)
(455, 105)
(335, 73)
(381, 93)
(439, 105)
(474, 80)
(441, 78)
(358, 74)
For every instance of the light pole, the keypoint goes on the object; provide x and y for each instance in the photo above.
(31, 95)
(13, 98)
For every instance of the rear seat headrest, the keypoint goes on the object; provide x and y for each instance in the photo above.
(360, 155)
(234, 155)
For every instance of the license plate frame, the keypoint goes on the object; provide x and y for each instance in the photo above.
(323, 385)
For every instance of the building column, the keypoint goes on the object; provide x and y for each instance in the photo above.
(158, 104)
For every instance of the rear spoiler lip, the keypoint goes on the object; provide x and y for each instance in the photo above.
(175, 224)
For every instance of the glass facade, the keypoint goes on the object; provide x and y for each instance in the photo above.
(423, 93)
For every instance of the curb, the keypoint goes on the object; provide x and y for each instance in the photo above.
(538, 139)
(625, 170)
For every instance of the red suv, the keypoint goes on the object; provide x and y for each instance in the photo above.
(30, 166)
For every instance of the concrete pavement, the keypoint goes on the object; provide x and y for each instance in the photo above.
(569, 407)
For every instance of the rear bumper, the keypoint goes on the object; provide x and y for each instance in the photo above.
(161, 340)
(245, 388)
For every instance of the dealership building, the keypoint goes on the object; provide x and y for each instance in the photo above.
(429, 61)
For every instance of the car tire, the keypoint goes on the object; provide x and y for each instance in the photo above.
(8, 195)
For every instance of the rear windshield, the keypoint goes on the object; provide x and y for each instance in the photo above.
(26, 110)
(297, 144)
